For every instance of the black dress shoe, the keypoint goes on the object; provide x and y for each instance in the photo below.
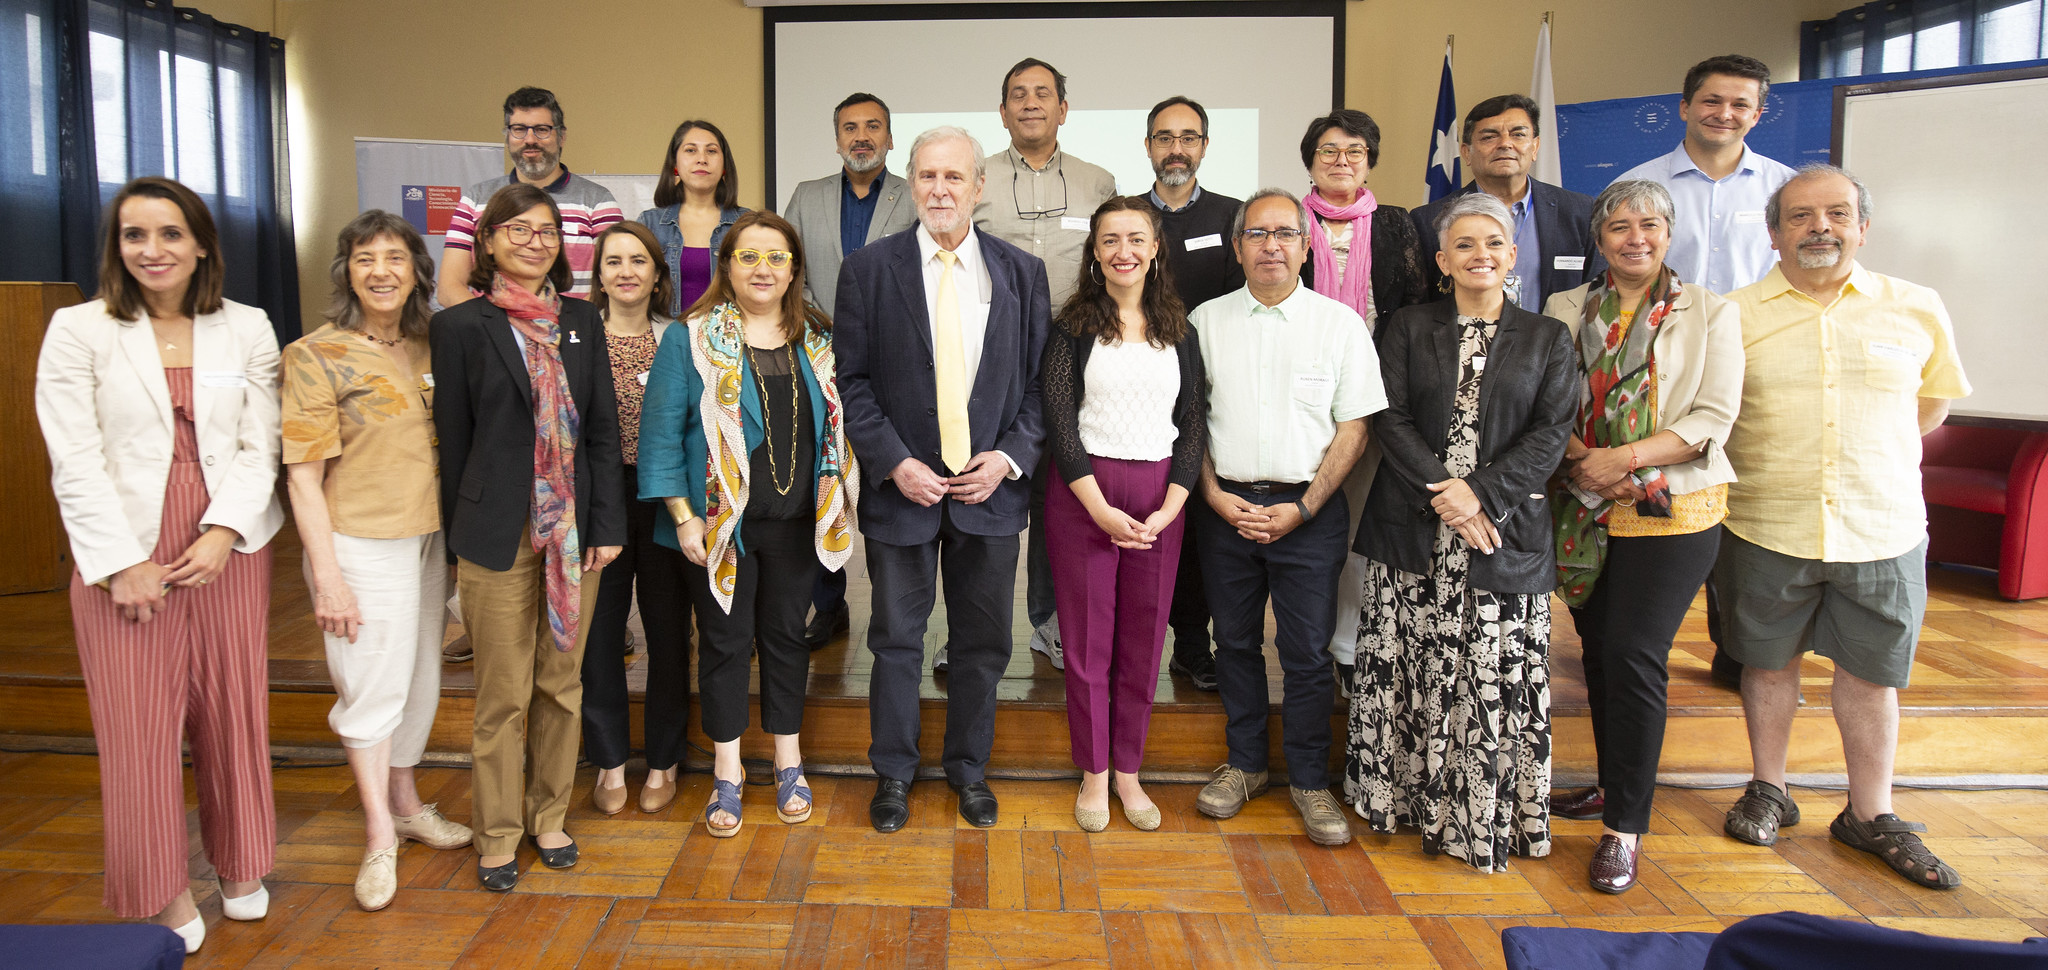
(498, 879)
(890, 807)
(828, 624)
(977, 804)
(1200, 671)
(561, 858)
(1584, 804)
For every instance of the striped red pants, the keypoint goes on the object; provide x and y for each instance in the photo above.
(196, 670)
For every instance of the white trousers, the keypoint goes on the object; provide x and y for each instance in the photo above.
(387, 684)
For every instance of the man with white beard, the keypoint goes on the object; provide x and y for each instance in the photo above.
(858, 204)
(1826, 541)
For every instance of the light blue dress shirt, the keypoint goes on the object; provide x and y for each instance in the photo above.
(1528, 253)
(1718, 238)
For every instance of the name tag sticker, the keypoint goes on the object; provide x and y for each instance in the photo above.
(642, 378)
(428, 380)
(1314, 382)
(223, 378)
(1210, 241)
(1478, 364)
(1571, 263)
(1076, 223)
(1750, 217)
(1879, 348)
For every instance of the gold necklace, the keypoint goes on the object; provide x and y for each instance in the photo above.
(775, 478)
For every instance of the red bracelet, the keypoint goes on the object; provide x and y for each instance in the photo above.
(1633, 464)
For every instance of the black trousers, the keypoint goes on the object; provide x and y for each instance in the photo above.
(665, 615)
(770, 597)
(829, 592)
(980, 576)
(1299, 572)
(1189, 613)
(1626, 628)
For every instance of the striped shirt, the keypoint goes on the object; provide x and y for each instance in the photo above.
(587, 209)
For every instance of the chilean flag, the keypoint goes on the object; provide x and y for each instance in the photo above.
(1443, 176)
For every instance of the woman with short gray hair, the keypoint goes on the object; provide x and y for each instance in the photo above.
(1642, 493)
(1450, 710)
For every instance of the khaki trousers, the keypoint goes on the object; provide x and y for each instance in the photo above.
(529, 701)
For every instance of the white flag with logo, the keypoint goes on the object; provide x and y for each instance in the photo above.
(1548, 167)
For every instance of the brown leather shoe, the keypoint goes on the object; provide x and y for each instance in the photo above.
(1584, 805)
(1321, 815)
(1614, 865)
(655, 799)
(608, 801)
(1225, 796)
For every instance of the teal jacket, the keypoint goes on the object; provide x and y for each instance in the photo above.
(672, 450)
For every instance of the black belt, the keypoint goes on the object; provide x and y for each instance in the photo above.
(1267, 488)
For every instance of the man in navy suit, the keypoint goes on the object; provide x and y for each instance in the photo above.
(938, 338)
(1553, 225)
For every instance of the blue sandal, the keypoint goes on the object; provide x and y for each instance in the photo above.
(787, 788)
(725, 797)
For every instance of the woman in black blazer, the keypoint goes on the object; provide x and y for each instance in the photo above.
(531, 498)
(1450, 724)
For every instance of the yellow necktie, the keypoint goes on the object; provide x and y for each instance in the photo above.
(949, 371)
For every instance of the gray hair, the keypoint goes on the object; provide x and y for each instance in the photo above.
(344, 310)
(947, 133)
(1473, 204)
(1300, 214)
(1814, 170)
(1642, 195)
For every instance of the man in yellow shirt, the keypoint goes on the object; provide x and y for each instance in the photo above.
(1827, 532)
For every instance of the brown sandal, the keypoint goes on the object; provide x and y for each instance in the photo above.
(1759, 813)
(1891, 838)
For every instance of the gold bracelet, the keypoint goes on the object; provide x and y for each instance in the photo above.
(679, 509)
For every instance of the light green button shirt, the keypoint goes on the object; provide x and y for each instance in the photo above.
(1015, 191)
(1280, 380)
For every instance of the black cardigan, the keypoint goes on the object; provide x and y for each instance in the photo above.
(483, 417)
(1063, 368)
(1526, 405)
(1397, 279)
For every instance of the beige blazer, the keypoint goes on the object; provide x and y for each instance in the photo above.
(1699, 377)
(106, 414)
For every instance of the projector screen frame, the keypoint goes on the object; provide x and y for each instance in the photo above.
(1842, 95)
(1127, 9)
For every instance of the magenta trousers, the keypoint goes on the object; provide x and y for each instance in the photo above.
(1113, 605)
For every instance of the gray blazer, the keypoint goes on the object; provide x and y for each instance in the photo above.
(814, 210)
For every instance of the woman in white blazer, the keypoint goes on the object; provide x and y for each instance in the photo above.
(159, 405)
(632, 286)
(1641, 496)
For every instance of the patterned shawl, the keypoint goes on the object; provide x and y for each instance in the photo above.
(556, 427)
(1617, 406)
(719, 341)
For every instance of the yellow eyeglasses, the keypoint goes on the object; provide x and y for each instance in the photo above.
(750, 258)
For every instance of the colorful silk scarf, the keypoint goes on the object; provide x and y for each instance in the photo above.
(718, 341)
(1354, 289)
(556, 429)
(1617, 406)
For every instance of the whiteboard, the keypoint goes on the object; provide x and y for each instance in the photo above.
(1954, 173)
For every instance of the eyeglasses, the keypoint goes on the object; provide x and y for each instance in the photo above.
(519, 235)
(1016, 196)
(1167, 139)
(750, 258)
(1329, 153)
(542, 132)
(1257, 236)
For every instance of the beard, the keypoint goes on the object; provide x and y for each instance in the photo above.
(939, 222)
(1175, 176)
(1818, 253)
(855, 163)
(535, 168)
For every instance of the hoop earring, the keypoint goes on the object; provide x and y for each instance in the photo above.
(1154, 271)
(1095, 272)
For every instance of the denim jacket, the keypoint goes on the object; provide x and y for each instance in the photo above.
(663, 222)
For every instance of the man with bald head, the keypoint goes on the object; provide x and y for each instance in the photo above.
(938, 338)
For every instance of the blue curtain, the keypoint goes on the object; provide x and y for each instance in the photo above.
(1890, 36)
(101, 91)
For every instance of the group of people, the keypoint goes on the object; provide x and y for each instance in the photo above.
(1401, 432)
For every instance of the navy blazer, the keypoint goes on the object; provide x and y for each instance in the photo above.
(483, 416)
(883, 337)
(1564, 227)
(1526, 405)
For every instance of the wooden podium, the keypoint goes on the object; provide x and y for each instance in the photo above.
(34, 555)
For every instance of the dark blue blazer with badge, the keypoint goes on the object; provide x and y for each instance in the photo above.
(1564, 227)
(883, 338)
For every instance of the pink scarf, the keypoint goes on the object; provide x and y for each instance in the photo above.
(556, 426)
(1355, 289)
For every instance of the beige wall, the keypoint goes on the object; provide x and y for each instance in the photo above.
(629, 69)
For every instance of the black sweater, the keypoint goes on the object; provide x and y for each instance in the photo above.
(1207, 272)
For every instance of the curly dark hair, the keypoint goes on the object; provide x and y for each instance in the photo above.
(1092, 311)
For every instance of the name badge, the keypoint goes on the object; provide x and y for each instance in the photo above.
(642, 378)
(1879, 348)
(427, 380)
(222, 378)
(1076, 223)
(1571, 263)
(1314, 382)
(573, 338)
(1750, 217)
(1478, 365)
(1210, 241)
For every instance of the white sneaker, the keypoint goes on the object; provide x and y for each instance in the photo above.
(939, 665)
(1046, 640)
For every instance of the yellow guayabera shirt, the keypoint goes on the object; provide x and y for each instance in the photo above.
(1827, 447)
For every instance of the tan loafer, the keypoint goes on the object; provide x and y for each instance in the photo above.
(432, 829)
(377, 880)
(608, 801)
(655, 799)
(1322, 815)
(1232, 788)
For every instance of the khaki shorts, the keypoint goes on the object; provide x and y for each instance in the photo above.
(1864, 616)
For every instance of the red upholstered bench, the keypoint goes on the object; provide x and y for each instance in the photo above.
(1987, 503)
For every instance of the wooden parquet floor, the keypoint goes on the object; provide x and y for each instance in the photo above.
(658, 891)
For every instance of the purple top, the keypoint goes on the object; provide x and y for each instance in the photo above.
(694, 276)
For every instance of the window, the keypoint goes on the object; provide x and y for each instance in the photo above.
(1889, 36)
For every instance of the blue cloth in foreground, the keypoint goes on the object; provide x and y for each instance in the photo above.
(1817, 943)
(1562, 948)
(97, 946)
